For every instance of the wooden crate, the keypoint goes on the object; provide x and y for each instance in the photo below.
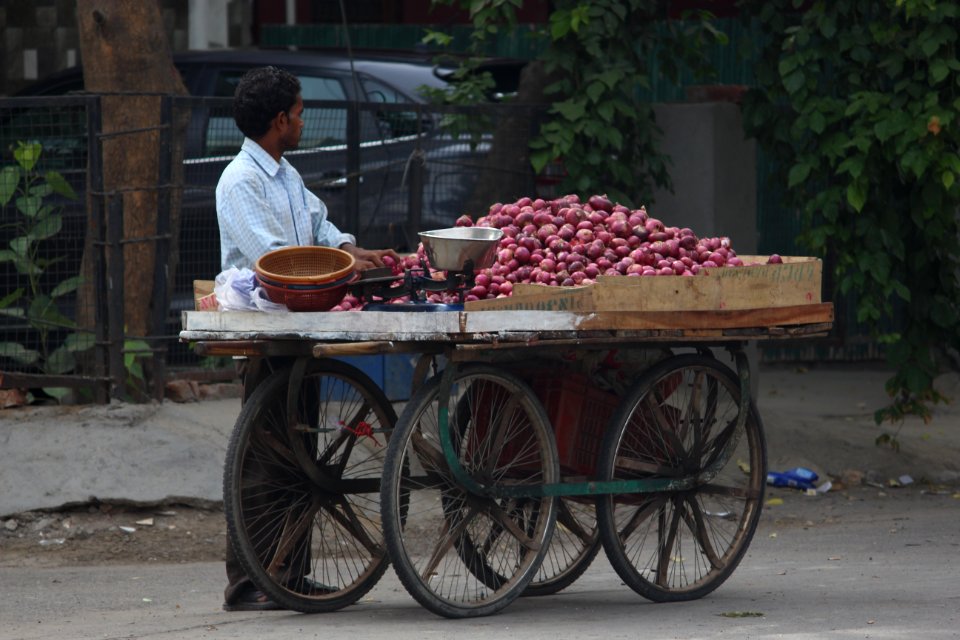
(796, 282)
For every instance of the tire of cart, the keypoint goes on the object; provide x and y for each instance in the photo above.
(302, 485)
(681, 419)
(463, 553)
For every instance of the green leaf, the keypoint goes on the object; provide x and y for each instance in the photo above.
(68, 285)
(11, 297)
(20, 246)
(40, 189)
(605, 111)
(798, 173)
(539, 159)
(59, 185)
(887, 128)
(857, 195)
(18, 352)
(9, 179)
(60, 361)
(902, 290)
(948, 179)
(939, 71)
(80, 341)
(46, 228)
(6, 255)
(59, 393)
(595, 91)
(828, 27)
(27, 154)
(818, 123)
(29, 205)
(43, 314)
(794, 82)
(571, 109)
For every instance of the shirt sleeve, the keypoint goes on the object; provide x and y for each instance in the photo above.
(244, 217)
(324, 232)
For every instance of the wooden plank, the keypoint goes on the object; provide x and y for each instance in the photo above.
(797, 281)
(349, 323)
(709, 320)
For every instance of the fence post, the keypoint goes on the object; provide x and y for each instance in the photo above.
(96, 225)
(161, 264)
(353, 169)
(115, 328)
(414, 174)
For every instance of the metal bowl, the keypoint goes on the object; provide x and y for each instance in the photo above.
(458, 248)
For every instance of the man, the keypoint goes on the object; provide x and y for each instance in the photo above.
(262, 205)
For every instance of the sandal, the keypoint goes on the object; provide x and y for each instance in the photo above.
(252, 599)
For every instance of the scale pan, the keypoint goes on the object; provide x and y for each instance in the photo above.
(461, 248)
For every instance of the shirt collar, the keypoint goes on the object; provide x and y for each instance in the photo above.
(261, 157)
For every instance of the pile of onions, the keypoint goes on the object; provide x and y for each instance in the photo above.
(566, 242)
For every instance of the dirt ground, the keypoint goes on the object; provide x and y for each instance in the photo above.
(112, 534)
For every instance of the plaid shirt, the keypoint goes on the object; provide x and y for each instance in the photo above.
(263, 205)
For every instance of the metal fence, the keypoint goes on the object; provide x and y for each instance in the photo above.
(385, 172)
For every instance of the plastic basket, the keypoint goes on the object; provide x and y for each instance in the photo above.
(320, 298)
(579, 413)
(305, 265)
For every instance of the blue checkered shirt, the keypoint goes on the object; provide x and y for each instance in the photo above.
(263, 205)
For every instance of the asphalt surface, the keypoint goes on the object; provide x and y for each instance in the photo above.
(866, 564)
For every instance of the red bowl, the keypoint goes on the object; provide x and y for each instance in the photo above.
(319, 299)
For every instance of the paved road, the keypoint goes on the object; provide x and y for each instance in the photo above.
(871, 564)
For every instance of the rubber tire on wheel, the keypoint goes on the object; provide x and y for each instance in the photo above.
(311, 490)
(677, 421)
(460, 554)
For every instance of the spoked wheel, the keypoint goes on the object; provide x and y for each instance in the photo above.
(301, 487)
(680, 420)
(461, 553)
(575, 544)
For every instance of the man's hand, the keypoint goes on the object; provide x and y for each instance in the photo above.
(369, 258)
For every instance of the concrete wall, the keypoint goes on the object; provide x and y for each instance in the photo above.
(714, 172)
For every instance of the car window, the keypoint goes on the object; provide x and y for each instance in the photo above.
(322, 126)
(394, 123)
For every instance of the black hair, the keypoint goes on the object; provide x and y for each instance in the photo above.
(261, 94)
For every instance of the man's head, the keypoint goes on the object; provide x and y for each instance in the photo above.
(266, 98)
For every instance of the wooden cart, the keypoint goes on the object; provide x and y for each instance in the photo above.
(476, 492)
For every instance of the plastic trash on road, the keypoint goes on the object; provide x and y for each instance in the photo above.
(797, 478)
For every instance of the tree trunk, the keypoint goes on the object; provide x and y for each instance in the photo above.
(125, 52)
(506, 173)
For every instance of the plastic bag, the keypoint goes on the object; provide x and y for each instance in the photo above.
(237, 290)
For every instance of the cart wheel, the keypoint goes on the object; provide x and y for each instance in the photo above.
(302, 497)
(679, 420)
(462, 554)
(574, 545)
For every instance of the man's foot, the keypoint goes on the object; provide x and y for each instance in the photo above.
(252, 599)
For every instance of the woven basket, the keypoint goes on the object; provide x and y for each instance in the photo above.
(305, 265)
